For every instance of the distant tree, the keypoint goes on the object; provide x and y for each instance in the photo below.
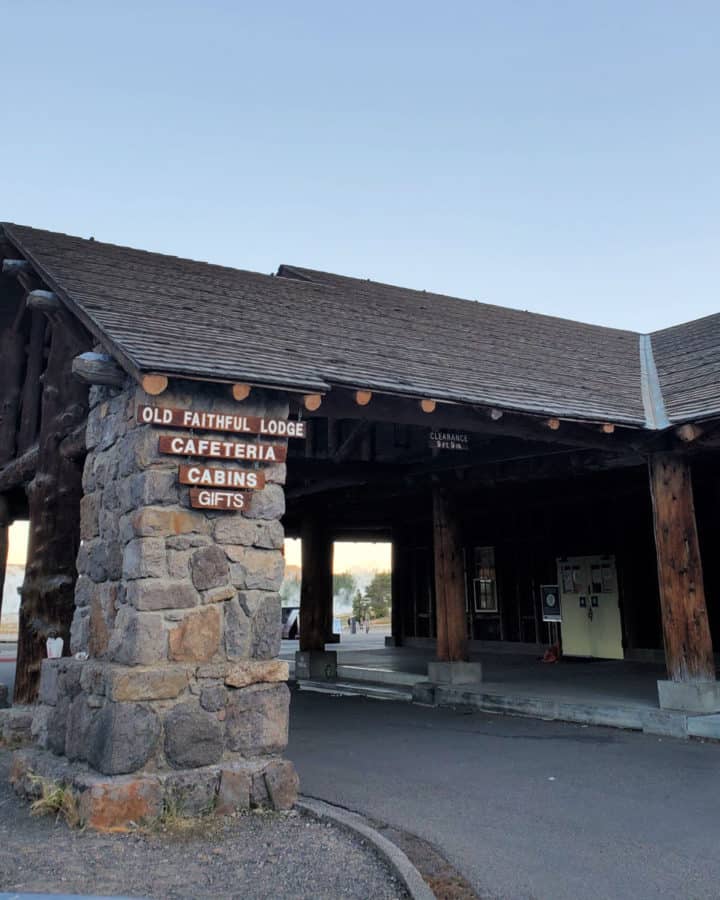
(343, 583)
(378, 595)
(361, 606)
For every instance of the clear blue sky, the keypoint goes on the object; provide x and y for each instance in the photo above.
(555, 156)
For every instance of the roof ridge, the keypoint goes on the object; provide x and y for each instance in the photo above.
(652, 397)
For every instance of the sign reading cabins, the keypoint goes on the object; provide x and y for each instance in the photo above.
(215, 487)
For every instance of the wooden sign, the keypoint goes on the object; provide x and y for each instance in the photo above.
(230, 479)
(214, 449)
(169, 417)
(449, 440)
(202, 498)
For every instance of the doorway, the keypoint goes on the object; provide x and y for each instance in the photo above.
(590, 607)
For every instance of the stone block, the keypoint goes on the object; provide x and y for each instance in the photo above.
(690, 696)
(219, 594)
(145, 558)
(120, 804)
(454, 672)
(276, 473)
(266, 504)
(237, 631)
(242, 674)
(191, 793)
(49, 681)
(316, 665)
(166, 521)
(256, 569)
(123, 738)
(197, 637)
(267, 628)
(138, 638)
(193, 737)
(233, 792)
(256, 720)
(270, 535)
(282, 783)
(94, 560)
(100, 624)
(234, 530)
(80, 724)
(90, 516)
(80, 630)
(137, 683)
(178, 563)
(16, 724)
(209, 568)
(158, 593)
(85, 590)
(187, 541)
(213, 697)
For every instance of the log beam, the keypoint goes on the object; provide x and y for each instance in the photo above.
(452, 645)
(4, 544)
(19, 471)
(316, 590)
(688, 646)
(32, 387)
(98, 368)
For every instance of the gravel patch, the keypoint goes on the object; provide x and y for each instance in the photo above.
(257, 855)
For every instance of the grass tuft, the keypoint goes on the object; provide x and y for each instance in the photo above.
(57, 800)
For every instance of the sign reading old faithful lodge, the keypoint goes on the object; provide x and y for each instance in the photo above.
(215, 487)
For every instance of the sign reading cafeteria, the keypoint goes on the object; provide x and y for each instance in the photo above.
(215, 449)
(210, 421)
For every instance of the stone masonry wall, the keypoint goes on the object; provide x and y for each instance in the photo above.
(178, 612)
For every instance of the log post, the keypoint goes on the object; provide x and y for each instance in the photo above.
(12, 352)
(399, 583)
(316, 587)
(4, 544)
(54, 494)
(449, 581)
(688, 645)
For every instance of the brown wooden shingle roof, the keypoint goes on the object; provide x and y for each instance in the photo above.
(311, 330)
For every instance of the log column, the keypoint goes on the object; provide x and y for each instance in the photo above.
(452, 644)
(4, 543)
(688, 646)
(316, 598)
(54, 494)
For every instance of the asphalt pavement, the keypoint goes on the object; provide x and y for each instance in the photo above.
(523, 808)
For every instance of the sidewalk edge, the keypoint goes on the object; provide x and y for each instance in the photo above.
(413, 881)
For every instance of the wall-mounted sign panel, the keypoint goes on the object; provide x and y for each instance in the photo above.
(169, 417)
(230, 479)
(215, 449)
(550, 598)
(201, 498)
(449, 440)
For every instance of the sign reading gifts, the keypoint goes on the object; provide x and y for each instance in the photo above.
(218, 487)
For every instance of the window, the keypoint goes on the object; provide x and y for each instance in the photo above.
(485, 598)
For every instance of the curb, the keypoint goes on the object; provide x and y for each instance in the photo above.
(411, 878)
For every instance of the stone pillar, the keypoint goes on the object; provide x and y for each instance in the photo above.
(316, 598)
(688, 647)
(178, 614)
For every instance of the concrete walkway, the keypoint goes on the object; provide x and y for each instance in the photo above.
(523, 808)
(591, 692)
